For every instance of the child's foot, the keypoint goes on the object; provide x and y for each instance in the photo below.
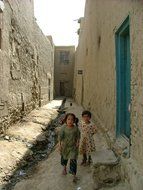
(83, 163)
(75, 179)
(88, 163)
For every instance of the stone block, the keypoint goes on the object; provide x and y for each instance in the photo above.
(106, 168)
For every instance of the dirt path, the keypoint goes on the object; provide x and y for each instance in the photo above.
(47, 174)
(48, 177)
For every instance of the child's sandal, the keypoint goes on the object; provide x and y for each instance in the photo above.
(88, 163)
(83, 163)
(75, 179)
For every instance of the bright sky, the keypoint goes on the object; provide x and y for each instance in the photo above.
(56, 18)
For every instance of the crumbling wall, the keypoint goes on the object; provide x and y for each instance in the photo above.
(26, 62)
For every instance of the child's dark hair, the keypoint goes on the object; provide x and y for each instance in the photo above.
(86, 112)
(69, 114)
(76, 121)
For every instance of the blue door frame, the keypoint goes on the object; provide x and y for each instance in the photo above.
(123, 79)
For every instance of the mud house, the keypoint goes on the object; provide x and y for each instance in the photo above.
(109, 75)
(26, 62)
(64, 70)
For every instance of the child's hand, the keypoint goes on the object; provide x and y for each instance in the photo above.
(77, 144)
(94, 130)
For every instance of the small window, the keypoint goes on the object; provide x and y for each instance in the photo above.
(64, 57)
(80, 72)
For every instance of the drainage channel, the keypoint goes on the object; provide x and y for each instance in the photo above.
(38, 152)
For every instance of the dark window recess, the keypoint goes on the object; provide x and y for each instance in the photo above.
(64, 57)
(99, 41)
(79, 72)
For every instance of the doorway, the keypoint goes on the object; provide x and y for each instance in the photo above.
(123, 79)
(62, 88)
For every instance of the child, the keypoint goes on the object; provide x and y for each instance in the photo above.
(87, 130)
(69, 143)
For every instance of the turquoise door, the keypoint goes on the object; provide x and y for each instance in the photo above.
(123, 80)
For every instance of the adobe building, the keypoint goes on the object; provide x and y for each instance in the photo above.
(26, 62)
(79, 66)
(110, 55)
(64, 70)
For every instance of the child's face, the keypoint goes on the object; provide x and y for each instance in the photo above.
(86, 118)
(70, 120)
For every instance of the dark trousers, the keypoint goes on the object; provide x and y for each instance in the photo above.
(73, 165)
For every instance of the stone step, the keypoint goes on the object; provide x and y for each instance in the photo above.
(106, 168)
(104, 157)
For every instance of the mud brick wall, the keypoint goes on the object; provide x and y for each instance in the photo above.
(26, 63)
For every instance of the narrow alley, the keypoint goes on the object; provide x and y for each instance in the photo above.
(47, 174)
(59, 57)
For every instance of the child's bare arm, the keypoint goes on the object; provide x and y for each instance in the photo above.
(77, 143)
(60, 146)
(94, 129)
(78, 138)
(61, 138)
